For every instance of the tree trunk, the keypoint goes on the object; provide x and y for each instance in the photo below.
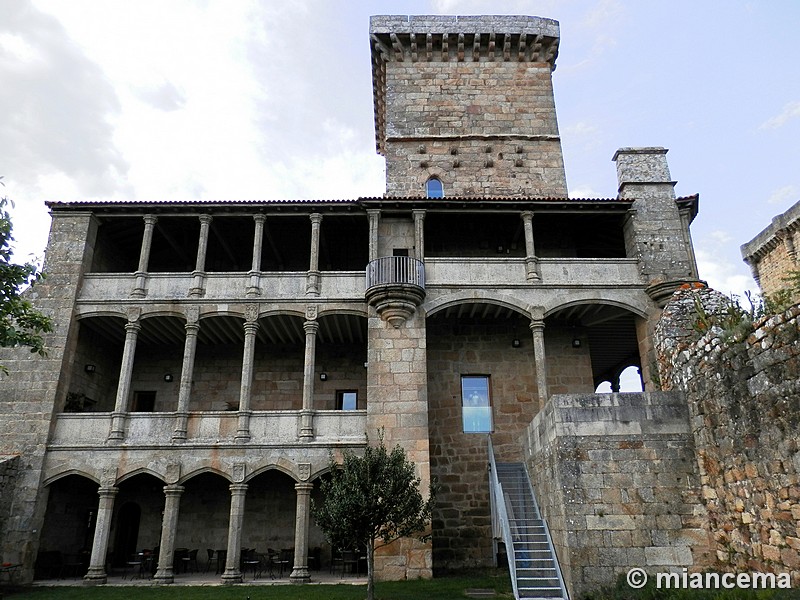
(371, 570)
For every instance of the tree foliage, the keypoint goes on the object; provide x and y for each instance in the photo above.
(370, 499)
(20, 323)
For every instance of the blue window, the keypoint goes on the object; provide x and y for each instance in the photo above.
(346, 400)
(434, 188)
(475, 404)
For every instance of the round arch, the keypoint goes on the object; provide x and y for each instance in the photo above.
(637, 308)
(85, 313)
(476, 297)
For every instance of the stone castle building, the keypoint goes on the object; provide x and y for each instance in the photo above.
(772, 254)
(209, 356)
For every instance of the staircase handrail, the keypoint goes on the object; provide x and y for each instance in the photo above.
(549, 539)
(501, 513)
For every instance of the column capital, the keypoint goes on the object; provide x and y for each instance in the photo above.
(316, 218)
(150, 219)
(537, 325)
(173, 490)
(251, 327)
(107, 491)
(303, 487)
(311, 327)
(206, 219)
(419, 213)
(260, 218)
(133, 327)
(526, 215)
(238, 489)
(192, 328)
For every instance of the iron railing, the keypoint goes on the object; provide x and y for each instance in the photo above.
(390, 270)
(501, 515)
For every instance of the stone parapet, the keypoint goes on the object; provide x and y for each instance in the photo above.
(617, 484)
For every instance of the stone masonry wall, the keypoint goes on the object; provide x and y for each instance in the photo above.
(28, 396)
(485, 128)
(742, 392)
(9, 473)
(462, 519)
(398, 404)
(617, 484)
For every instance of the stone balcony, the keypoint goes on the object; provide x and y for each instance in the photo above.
(395, 287)
(267, 428)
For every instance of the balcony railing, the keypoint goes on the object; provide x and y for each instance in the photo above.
(395, 287)
(393, 270)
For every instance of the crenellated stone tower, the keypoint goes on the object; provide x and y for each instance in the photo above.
(469, 101)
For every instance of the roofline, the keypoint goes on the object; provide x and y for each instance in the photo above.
(767, 237)
(405, 202)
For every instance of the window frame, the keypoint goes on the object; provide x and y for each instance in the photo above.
(439, 192)
(340, 397)
(477, 417)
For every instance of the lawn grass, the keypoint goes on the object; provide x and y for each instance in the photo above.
(441, 588)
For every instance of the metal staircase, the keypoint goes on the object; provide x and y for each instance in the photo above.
(532, 560)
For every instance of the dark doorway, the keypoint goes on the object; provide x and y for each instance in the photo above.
(127, 532)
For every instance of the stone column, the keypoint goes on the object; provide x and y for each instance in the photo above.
(132, 328)
(419, 233)
(374, 216)
(537, 328)
(309, 366)
(300, 570)
(198, 277)
(254, 289)
(532, 272)
(250, 330)
(139, 290)
(312, 283)
(233, 573)
(169, 529)
(97, 563)
(187, 370)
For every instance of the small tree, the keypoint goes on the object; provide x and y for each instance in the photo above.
(20, 323)
(371, 498)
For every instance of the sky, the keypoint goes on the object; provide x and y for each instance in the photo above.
(248, 100)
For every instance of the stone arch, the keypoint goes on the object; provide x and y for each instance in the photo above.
(83, 313)
(475, 297)
(634, 305)
(140, 471)
(343, 310)
(281, 465)
(160, 311)
(202, 470)
(66, 473)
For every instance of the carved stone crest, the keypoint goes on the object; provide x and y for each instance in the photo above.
(304, 471)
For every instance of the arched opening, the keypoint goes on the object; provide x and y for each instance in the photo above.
(136, 524)
(481, 377)
(588, 347)
(203, 524)
(269, 519)
(68, 530)
(434, 188)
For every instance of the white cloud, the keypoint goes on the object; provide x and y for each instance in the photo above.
(790, 111)
(785, 194)
(583, 191)
(721, 274)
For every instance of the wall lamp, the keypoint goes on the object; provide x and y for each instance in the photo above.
(90, 368)
(576, 342)
(516, 343)
(168, 377)
(323, 376)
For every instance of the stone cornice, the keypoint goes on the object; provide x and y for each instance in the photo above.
(455, 39)
(772, 236)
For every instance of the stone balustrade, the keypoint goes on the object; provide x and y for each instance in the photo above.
(211, 427)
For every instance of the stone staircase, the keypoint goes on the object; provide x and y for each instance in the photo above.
(537, 570)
